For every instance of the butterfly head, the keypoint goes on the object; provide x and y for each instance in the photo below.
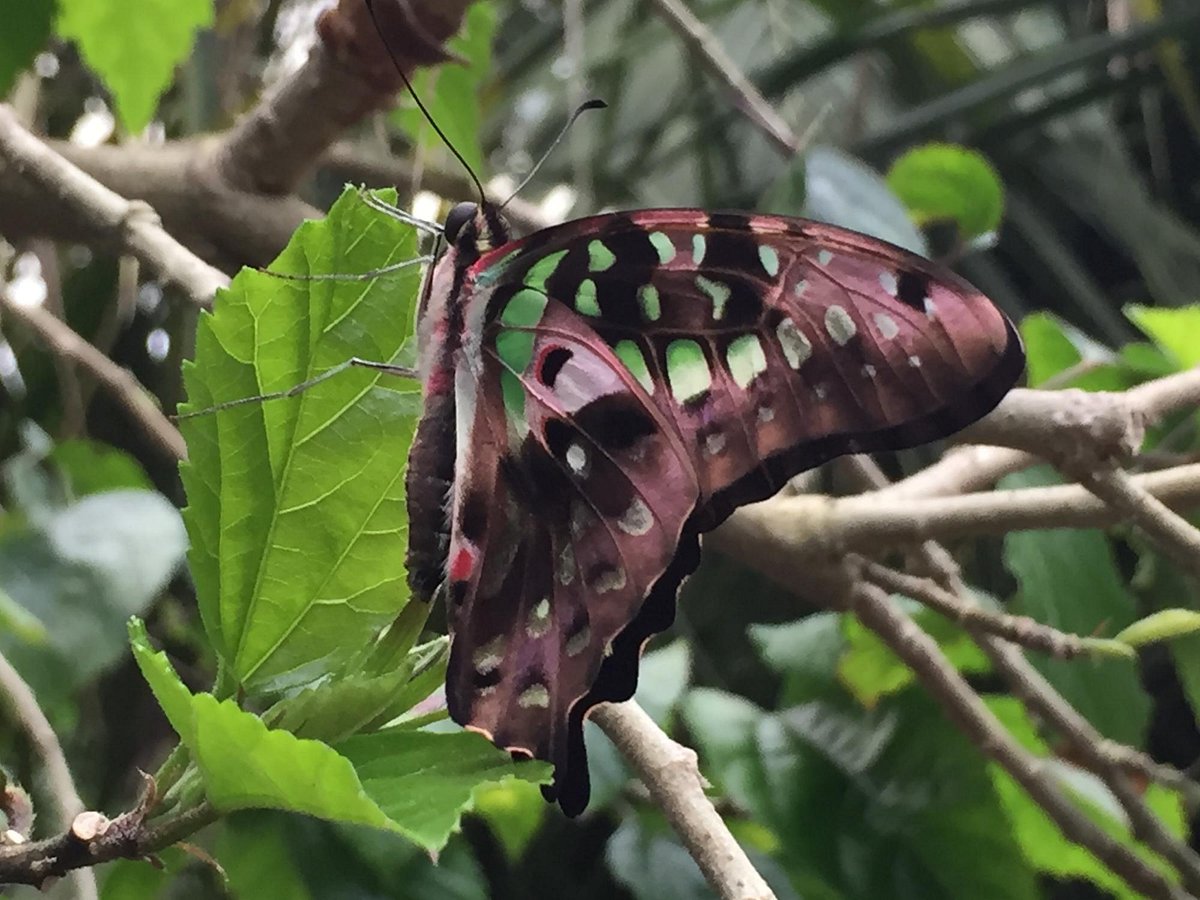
(473, 229)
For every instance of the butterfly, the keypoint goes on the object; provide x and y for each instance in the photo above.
(600, 393)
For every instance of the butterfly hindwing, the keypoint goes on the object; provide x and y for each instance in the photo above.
(570, 499)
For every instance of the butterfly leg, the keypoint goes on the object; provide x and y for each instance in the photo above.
(360, 276)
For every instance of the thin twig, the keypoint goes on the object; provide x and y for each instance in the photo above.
(61, 340)
(58, 774)
(722, 67)
(132, 223)
(672, 775)
(1021, 630)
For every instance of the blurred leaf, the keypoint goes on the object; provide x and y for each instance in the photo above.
(92, 467)
(130, 879)
(256, 854)
(25, 32)
(514, 810)
(80, 575)
(845, 191)
(1052, 347)
(786, 195)
(1083, 596)
(870, 670)
(134, 46)
(1042, 842)
(296, 507)
(946, 181)
(451, 91)
(662, 679)
(1147, 361)
(1174, 330)
(805, 652)
(898, 783)
(425, 781)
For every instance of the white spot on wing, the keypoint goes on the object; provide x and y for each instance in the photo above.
(579, 642)
(868, 371)
(611, 578)
(534, 695)
(796, 347)
(765, 414)
(488, 657)
(839, 325)
(636, 520)
(930, 309)
(887, 326)
(887, 281)
(714, 443)
(566, 565)
(915, 362)
(825, 257)
(576, 459)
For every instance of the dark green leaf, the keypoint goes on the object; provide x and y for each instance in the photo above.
(256, 854)
(296, 506)
(25, 32)
(1068, 580)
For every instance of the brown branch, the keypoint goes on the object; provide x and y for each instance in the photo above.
(62, 341)
(1022, 630)
(132, 225)
(672, 775)
(58, 774)
(92, 840)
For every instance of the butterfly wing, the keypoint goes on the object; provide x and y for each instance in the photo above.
(635, 378)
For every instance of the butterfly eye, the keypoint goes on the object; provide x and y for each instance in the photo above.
(457, 219)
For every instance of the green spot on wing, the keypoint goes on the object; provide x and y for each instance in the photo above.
(648, 298)
(514, 398)
(543, 269)
(662, 243)
(769, 259)
(687, 370)
(699, 246)
(717, 291)
(515, 348)
(600, 257)
(524, 308)
(746, 359)
(585, 298)
(635, 361)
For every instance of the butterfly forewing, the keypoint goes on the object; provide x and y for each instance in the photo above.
(636, 377)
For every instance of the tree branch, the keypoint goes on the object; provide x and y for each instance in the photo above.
(672, 775)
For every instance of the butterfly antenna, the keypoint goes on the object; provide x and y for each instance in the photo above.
(421, 106)
(580, 110)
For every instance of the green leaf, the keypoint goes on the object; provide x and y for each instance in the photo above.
(845, 191)
(870, 670)
(805, 652)
(1052, 347)
(255, 851)
(514, 810)
(92, 468)
(25, 32)
(296, 506)
(1174, 330)
(340, 707)
(425, 781)
(1041, 841)
(451, 91)
(172, 694)
(897, 784)
(134, 46)
(945, 181)
(130, 879)
(1069, 580)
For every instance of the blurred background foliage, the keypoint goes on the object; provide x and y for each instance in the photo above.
(1049, 150)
